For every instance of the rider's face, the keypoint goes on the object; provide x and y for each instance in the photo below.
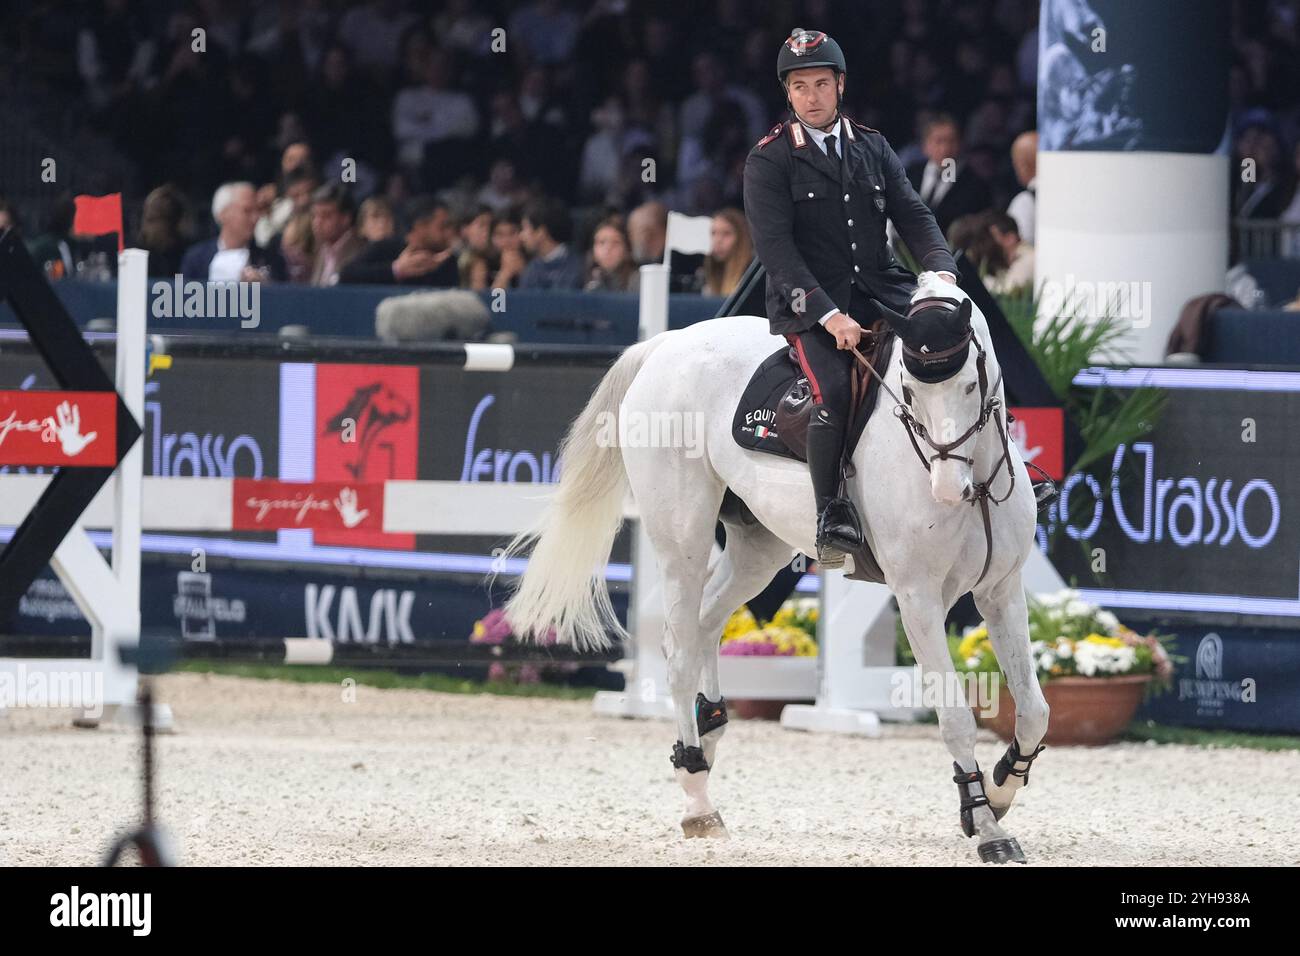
(813, 94)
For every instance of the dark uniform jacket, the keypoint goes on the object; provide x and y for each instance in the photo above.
(819, 225)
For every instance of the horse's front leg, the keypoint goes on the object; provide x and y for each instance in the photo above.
(1005, 610)
(923, 619)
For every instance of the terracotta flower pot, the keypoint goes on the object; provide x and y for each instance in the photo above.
(748, 708)
(1089, 711)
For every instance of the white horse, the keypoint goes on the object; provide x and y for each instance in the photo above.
(928, 535)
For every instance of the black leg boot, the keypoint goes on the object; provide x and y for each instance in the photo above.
(838, 530)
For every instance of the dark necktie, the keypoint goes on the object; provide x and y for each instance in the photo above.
(830, 147)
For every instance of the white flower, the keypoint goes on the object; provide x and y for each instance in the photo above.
(1037, 646)
(1093, 659)
(1063, 650)
(1109, 621)
(1077, 608)
(1047, 661)
(1058, 598)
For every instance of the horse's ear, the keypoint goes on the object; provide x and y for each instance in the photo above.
(896, 322)
(963, 314)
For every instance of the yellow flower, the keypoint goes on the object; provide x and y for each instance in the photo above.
(1095, 638)
(741, 622)
(973, 643)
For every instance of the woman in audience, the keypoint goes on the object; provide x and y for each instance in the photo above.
(611, 267)
(729, 255)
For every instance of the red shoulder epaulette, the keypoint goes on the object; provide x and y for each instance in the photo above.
(773, 134)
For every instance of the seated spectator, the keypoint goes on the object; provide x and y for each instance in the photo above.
(232, 255)
(1289, 245)
(298, 247)
(160, 230)
(611, 268)
(1012, 269)
(8, 216)
(291, 192)
(943, 182)
(431, 113)
(1024, 159)
(545, 233)
(476, 250)
(375, 220)
(425, 257)
(729, 255)
(508, 251)
(53, 247)
(337, 242)
(647, 229)
(295, 200)
(503, 189)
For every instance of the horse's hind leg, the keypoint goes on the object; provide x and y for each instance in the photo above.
(1004, 609)
(678, 499)
(923, 619)
(752, 556)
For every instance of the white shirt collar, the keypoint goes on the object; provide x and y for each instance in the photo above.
(819, 136)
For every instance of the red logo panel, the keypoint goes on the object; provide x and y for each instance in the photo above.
(367, 430)
(77, 429)
(264, 505)
(1040, 433)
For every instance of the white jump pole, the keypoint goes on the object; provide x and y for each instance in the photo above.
(645, 672)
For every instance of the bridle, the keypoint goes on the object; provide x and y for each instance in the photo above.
(990, 403)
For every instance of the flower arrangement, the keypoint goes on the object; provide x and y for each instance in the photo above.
(1069, 637)
(494, 629)
(792, 632)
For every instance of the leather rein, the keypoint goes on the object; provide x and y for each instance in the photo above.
(990, 402)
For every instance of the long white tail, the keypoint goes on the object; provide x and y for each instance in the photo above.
(564, 583)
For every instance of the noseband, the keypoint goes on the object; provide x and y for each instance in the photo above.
(989, 405)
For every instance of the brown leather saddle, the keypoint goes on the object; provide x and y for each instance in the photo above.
(775, 407)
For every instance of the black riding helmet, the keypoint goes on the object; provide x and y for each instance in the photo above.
(805, 49)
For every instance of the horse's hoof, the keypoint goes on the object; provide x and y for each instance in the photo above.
(1001, 851)
(709, 826)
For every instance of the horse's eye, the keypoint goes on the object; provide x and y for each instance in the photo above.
(971, 387)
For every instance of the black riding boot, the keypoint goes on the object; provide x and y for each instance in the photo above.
(838, 529)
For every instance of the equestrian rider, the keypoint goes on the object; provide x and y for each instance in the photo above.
(818, 190)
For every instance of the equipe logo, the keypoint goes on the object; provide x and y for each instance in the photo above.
(54, 428)
(265, 505)
(1185, 510)
(1040, 435)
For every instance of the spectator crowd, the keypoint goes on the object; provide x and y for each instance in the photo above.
(542, 144)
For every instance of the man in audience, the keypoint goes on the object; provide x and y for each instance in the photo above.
(425, 257)
(337, 242)
(647, 230)
(942, 181)
(232, 255)
(1024, 159)
(545, 232)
